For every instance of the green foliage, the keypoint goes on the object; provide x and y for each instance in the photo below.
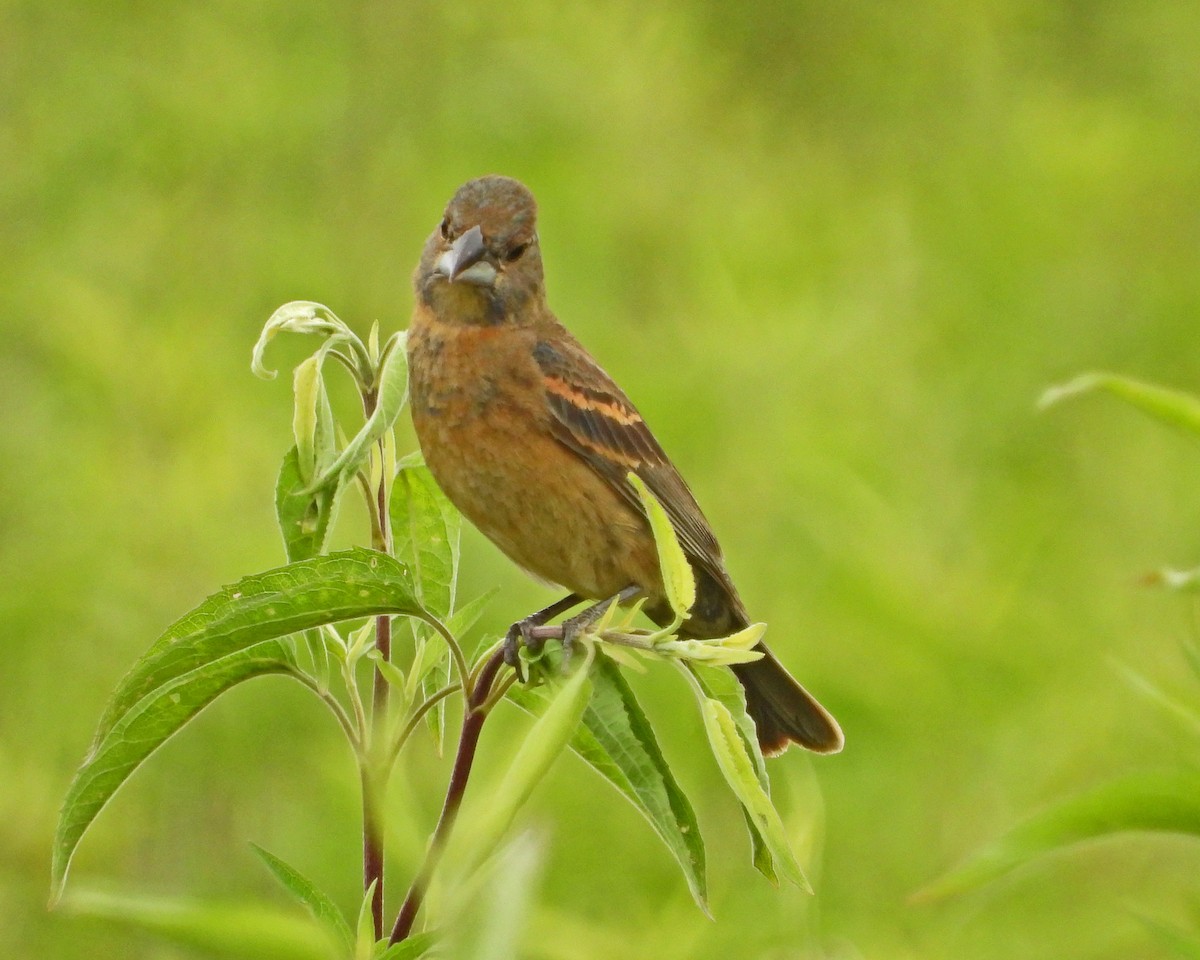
(323, 909)
(618, 742)
(1138, 802)
(246, 630)
(237, 931)
(1158, 802)
(830, 250)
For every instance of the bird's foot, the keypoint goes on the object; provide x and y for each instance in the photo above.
(532, 632)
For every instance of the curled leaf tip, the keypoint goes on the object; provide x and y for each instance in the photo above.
(296, 316)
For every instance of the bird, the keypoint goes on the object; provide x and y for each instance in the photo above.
(533, 442)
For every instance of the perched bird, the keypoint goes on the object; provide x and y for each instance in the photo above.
(533, 442)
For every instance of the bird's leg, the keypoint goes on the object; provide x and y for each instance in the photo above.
(581, 621)
(522, 631)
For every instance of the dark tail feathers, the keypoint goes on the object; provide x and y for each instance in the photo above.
(783, 710)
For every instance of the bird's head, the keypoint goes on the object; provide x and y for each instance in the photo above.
(482, 264)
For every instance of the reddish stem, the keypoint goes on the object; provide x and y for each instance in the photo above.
(468, 740)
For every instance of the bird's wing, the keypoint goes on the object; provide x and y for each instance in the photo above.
(592, 417)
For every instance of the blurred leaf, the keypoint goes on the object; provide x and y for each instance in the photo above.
(304, 518)
(1186, 715)
(736, 765)
(490, 927)
(721, 684)
(323, 910)
(1184, 581)
(618, 742)
(1172, 407)
(227, 930)
(1182, 943)
(546, 739)
(390, 400)
(411, 948)
(678, 580)
(229, 638)
(1161, 802)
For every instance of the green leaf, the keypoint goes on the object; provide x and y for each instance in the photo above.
(232, 636)
(617, 741)
(1172, 407)
(304, 518)
(306, 316)
(390, 400)
(678, 580)
(1158, 802)
(490, 922)
(546, 739)
(323, 910)
(722, 685)
(412, 947)
(425, 535)
(739, 771)
(365, 943)
(224, 930)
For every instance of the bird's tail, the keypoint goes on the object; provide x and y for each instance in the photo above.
(783, 711)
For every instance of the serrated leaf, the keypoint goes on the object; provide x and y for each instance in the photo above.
(679, 582)
(412, 947)
(739, 771)
(546, 739)
(1158, 802)
(618, 742)
(323, 909)
(230, 637)
(1172, 407)
(390, 400)
(721, 684)
(305, 519)
(224, 930)
(425, 535)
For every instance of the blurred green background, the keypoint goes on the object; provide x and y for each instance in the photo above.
(834, 252)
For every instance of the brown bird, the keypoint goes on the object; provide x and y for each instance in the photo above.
(534, 442)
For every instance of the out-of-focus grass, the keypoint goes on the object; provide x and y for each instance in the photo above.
(833, 251)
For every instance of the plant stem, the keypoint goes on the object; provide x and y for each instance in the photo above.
(372, 843)
(474, 714)
(373, 785)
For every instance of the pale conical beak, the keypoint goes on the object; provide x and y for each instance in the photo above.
(464, 262)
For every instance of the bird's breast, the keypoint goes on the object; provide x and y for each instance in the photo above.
(481, 417)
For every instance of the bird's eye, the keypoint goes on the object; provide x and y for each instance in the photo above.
(516, 252)
(446, 227)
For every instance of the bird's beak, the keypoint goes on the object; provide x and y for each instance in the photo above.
(464, 262)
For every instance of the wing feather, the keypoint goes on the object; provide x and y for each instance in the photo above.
(592, 416)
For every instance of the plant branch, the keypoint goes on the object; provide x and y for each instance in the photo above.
(456, 651)
(418, 714)
(474, 714)
(332, 703)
